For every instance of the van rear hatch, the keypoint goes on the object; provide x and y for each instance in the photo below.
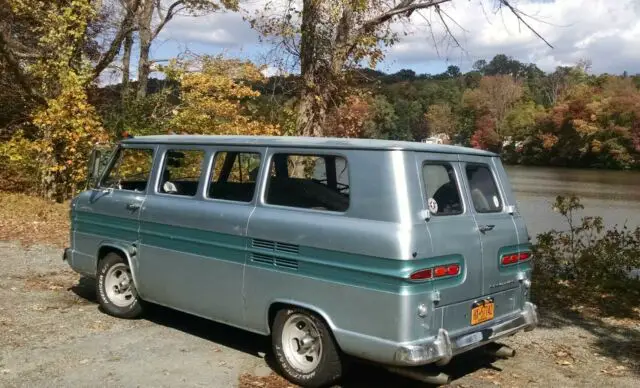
(470, 203)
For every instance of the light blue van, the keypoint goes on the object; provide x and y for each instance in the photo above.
(404, 254)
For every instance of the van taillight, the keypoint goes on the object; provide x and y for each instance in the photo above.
(524, 256)
(436, 272)
(423, 274)
(453, 270)
(513, 258)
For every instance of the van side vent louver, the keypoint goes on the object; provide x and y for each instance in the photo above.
(262, 259)
(264, 244)
(288, 248)
(286, 263)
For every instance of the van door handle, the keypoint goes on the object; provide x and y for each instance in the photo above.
(133, 206)
(486, 228)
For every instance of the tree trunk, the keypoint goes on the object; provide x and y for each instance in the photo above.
(322, 59)
(312, 106)
(146, 37)
(126, 64)
(312, 112)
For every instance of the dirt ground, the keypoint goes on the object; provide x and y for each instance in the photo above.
(52, 334)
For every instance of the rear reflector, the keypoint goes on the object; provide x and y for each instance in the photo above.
(423, 274)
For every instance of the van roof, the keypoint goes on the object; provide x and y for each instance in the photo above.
(305, 142)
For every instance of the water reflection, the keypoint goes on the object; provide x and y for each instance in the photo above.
(614, 195)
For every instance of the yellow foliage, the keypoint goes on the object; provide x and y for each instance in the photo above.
(68, 128)
(214, 97)
(62, 131)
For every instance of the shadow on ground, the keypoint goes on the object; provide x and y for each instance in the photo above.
(613, 341)
(612, 317)
(360, 374)
(619, 342)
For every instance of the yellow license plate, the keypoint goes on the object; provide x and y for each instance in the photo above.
(482, 311)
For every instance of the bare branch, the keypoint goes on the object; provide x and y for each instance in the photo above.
(171, 12)
(14, 67)
(405, 7)
(518, 14)
(126, 27)
(446, 27)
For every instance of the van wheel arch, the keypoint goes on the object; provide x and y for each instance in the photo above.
(277, 306)
(106, 249)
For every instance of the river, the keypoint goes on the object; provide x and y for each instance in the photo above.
(613, 195)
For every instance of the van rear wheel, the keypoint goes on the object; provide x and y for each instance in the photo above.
(304, 348)
(116, 291)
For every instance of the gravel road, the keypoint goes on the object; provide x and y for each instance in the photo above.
(52, 334)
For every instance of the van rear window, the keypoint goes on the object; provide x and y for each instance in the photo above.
(484, 191)
(442, 189)
(319, 182)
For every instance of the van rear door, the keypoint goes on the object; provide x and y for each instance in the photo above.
(451, 227)
(495, 224)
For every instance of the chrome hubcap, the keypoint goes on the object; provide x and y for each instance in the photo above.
(118, 285)
(301, 343)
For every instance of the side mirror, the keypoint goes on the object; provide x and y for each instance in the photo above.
(511, 209)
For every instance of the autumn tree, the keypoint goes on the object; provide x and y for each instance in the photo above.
(440, 119)
(62, 126)
(596, 124)
(215, 95)
(149, 27)
(328, 37)
(492, 101)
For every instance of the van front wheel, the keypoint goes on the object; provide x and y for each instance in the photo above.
(304, 348)
(116, 292)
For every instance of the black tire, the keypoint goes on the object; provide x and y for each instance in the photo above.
(133, 306)
(330, 367)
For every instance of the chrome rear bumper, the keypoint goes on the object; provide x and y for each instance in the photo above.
(442, 348)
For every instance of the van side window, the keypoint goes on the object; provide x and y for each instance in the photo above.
(442, 189)
(130, 170)
(319, 182)
(181, 172)
(234, 175)
(484, 191)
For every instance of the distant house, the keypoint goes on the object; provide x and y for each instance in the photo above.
(518, 145)
(439, 138)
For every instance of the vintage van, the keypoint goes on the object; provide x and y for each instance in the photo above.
(400, 253)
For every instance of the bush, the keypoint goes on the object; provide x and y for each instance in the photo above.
(587, 255)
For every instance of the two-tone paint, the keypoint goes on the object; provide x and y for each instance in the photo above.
(238, 263)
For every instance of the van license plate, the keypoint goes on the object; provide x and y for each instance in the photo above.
(482, 311)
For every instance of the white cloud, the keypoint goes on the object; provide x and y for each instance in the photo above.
(605, 31)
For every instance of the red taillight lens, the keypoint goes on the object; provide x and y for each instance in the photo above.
(422, 274)
(440, 271)
(514, 258)
(509, 259)
(524, 256)
(437, 272)
(453, 270)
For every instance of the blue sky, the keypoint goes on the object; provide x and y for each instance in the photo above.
(607, 32)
